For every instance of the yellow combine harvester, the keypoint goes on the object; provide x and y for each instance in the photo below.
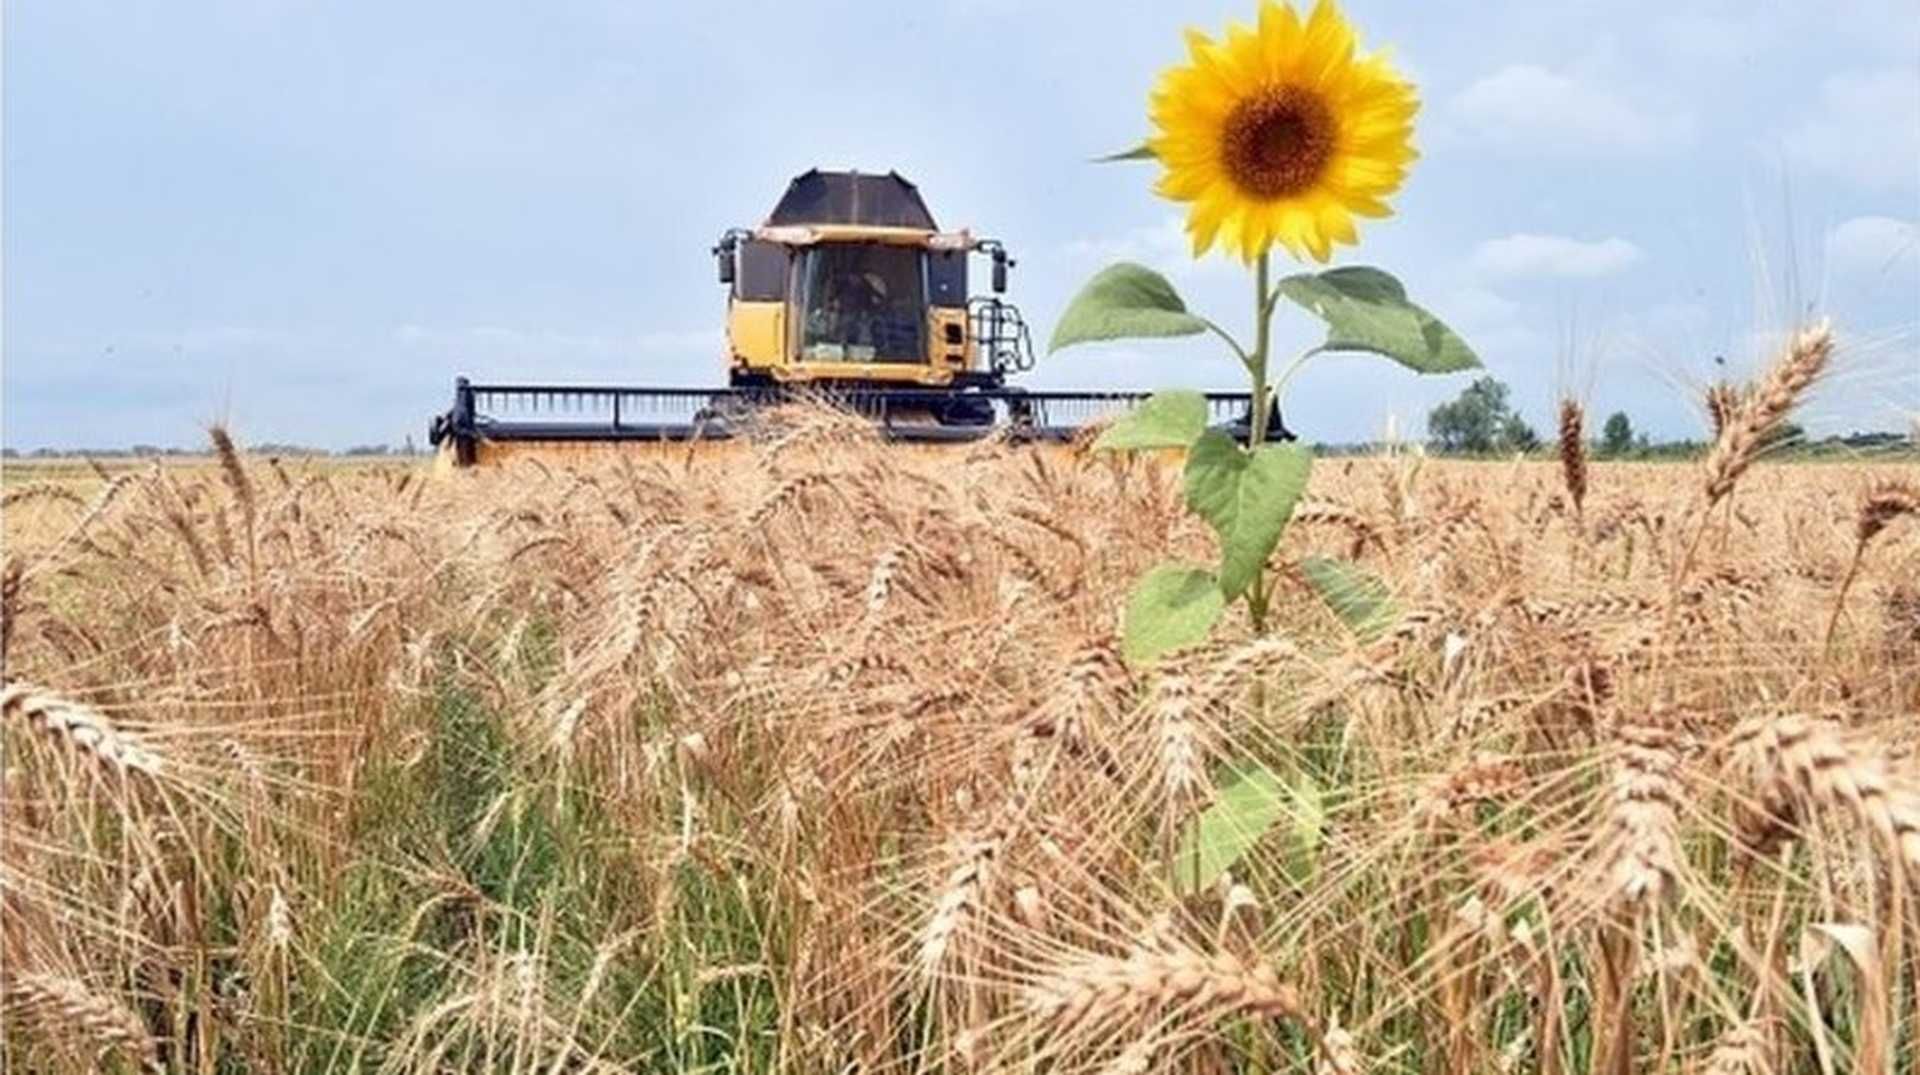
(848, 294)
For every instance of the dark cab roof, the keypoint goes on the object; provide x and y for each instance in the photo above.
(875, 201)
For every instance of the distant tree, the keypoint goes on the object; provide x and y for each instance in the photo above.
(1869, 440)
(1473, 422)
(1783, 435)
(1616, 437)
(1517, 436)
(1481, 420)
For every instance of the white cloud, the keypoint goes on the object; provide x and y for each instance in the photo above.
(1524, 255)
(1469, 307)
(1867, 129)
(1873, 245)
(1525, 106)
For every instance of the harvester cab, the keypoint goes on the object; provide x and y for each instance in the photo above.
(847, 293)
(850, 285)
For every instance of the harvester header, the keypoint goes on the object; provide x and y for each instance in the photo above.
(848, 293)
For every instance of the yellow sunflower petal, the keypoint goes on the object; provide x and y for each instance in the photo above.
(1203, 224)
(1282, 133)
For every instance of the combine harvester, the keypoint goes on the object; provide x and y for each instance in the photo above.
(849, 295)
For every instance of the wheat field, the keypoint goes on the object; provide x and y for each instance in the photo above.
(824, 758)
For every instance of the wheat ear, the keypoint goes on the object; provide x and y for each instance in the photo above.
(64, 1005)
(1878, 510)
(1099, 994)
(1881, 506)
(1179, 734)
(966, 885)
(12, 581)
(40, 491)
(232, 472)
(1645, 852)
(1742, 1050)
(1573, 452)
(1798, 367)
(1801, 759)
(79, 727)
(1723, 402)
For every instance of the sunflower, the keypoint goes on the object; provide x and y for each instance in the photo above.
(1282, 134)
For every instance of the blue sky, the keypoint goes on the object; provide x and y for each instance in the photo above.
(305, 218)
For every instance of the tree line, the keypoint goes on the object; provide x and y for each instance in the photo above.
(1482, 421)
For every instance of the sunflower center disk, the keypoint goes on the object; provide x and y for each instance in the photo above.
(1277, 142)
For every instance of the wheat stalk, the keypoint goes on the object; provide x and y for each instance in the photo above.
(176, 517)
(98, 506)
(1878, 510)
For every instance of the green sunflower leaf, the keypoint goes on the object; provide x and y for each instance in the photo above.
(1247, 496)
(1253, 801)
(1169, 419)
(1358, 598)
(1140, 152)
(1173, 605)
(1124, 301)
(1366, 309)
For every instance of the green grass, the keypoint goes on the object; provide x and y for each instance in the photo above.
(473, 853)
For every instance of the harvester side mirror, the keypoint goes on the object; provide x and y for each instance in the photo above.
(724, 252)
(1000, 263)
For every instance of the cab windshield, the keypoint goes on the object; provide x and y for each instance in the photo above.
(864, 302)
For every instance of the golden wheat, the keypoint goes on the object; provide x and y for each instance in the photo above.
(819, 756)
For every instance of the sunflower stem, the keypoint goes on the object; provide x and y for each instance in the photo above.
(1262, 325)
(1257, 420)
